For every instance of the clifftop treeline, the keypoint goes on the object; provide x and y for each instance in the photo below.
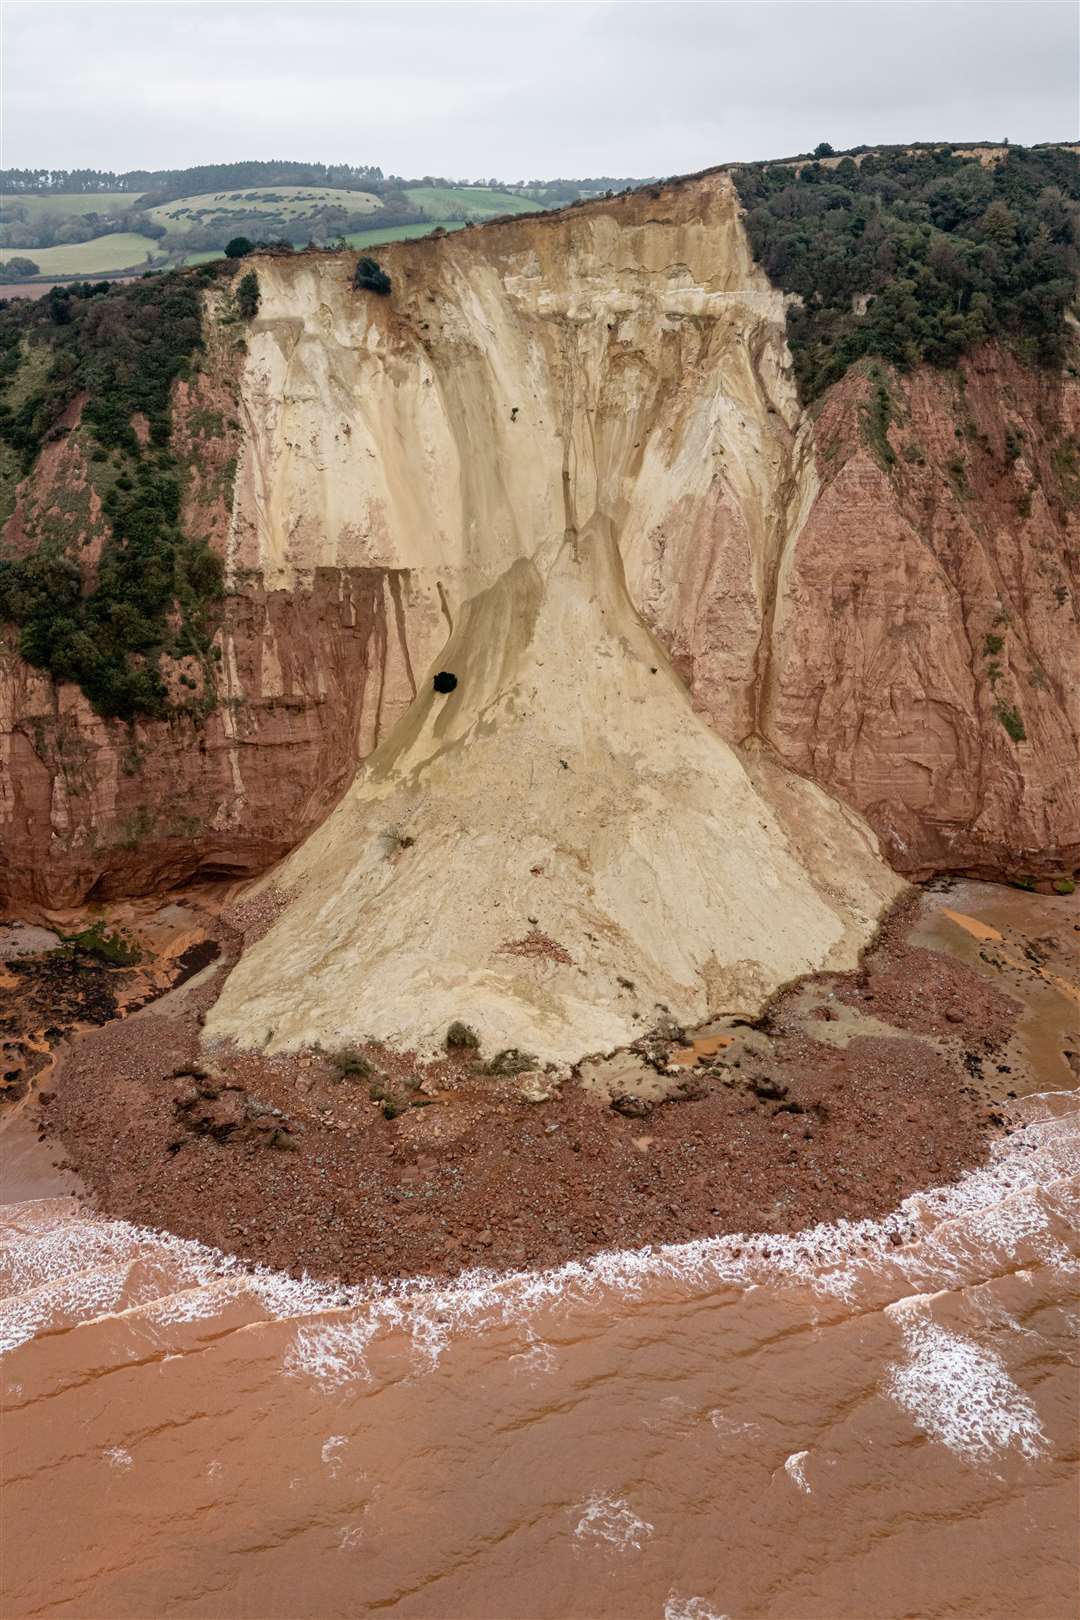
(917, 255)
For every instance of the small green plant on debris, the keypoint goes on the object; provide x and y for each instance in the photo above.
(112, 949)
(349, 1064)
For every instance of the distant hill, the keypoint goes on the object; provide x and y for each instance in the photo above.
(62, 220)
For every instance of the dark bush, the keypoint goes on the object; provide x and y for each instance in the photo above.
(239, 248)
(462, 1037)
(369, 276)
(247, 295)
(19, 269)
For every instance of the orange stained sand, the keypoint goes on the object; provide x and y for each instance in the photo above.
(980, 930)
(704, 1046)
(983, 930)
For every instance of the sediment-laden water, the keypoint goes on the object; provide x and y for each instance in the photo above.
(826, 1425)
(868, 1419)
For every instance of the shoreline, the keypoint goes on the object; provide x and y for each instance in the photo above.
(851, 1092)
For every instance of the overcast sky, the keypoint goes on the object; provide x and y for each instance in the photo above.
(523, 90)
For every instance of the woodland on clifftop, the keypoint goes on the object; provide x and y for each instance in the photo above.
(917, 255)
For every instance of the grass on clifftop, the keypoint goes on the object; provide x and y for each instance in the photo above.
(123, 347)
(917, 256)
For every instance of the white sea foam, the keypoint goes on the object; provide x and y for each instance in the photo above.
(611, 1519)
(119, 1457)
(995, 1217)
(959, 1392)
(81, 1296)
(795, 1470)
(727, 1427)
(331, 1448)
(536, 1362)
(690, 1608)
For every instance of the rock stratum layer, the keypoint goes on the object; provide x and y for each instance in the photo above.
(566, 462)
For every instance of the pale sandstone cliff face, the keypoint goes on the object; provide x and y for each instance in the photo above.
(806, 596)
(561, 848)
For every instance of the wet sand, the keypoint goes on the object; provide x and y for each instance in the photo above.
(832, 1424)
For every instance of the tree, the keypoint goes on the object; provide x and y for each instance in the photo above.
(247, 295)
(19, 269)
(239, 248)
(369, 275)
(823, 149)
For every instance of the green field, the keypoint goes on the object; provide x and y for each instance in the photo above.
(478, 201)
(121, 251)
(63, 204)
(400, 233)
(290, 202)
(196, 258)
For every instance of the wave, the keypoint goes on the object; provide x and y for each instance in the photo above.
(61, 1264)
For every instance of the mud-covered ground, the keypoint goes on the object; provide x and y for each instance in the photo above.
(58, 982)
(852, 1091)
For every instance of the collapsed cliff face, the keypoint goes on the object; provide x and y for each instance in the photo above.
(558, 849)
(832, 584)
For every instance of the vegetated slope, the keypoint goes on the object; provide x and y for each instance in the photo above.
(882, 588)
(290, 202)
(67, 204)
(105, 582)
(918, 254)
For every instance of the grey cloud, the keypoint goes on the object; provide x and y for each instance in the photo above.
(520, 90)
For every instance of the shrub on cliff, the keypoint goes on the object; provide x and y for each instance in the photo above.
(370, 276)
(918, 255)
(462, 1037)
(239, 247)
(247, 295)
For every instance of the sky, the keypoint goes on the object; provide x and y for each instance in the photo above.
(523, 90)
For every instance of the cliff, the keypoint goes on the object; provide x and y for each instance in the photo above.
(566, 461)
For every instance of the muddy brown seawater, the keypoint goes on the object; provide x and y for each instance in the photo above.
(846, 1400)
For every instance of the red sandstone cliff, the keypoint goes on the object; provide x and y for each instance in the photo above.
(925, 655)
